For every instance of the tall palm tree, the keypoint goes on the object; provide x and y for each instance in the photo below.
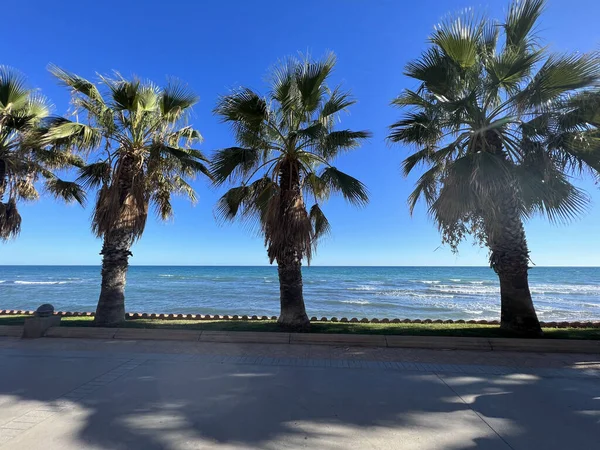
(475, 121)
(23, 158)
(142, 155)
(287, 143)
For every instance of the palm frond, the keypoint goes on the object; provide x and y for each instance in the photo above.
(14, 94)
(284, 89)
(64, 133)
(94, 175)
(434, 69)
(313, 133)
(187, 134)
(520, 22)
(176, 98)
(310, 77)
(315, 186)
(416, 128)
(337, 141)
(125, 94)
(243, 106)
(351, 189)
(338, 101)
(320, 223)
(25, 190)
(68, 191)
(10, 220)
(77, 83)
(422, 156)
(551, 194)
(430, 155)
(160, 198)
(247, 113)
(558, 76)
(454, 201)
(234, 162)
(184, 188)
(53, 158)
(460, 39)
(510, 68)
(411, 98)
(230, 203)
(490, 35)
(426, 188)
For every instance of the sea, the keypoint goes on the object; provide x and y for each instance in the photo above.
(559, 293)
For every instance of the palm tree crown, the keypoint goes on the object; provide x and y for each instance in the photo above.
(23, 157)
(478, 120)
(287, 143)
(143, 147)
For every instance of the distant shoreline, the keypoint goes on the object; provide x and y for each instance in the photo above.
(273, 265)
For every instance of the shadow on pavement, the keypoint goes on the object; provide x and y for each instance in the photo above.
(181, 405)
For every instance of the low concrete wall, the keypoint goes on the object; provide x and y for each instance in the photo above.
(133, 316)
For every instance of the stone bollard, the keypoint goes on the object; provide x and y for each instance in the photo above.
(44, 318)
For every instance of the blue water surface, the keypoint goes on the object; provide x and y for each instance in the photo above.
(571, 293)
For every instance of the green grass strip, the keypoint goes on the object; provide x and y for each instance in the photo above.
(404, 329)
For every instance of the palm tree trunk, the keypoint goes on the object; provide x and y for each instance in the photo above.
(115, 262)
(293, 311)
(510, 260)
(287, 236)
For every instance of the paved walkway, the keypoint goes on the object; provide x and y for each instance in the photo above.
(73, 394)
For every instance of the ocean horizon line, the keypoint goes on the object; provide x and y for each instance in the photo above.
(274, 265)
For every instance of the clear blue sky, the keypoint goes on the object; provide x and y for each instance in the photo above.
(218, 45)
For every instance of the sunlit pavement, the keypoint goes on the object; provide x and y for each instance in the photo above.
(74, 393)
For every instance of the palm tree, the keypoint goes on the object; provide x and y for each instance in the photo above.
(23, 157)
(287, 143)
(142, 155)
(476, 120)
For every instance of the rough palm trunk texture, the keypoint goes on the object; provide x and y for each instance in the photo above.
(293, 310)
(115, 262)
(510, 260)
(289, 255)
(116, 250)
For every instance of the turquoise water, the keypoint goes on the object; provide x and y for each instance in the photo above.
(403, 292)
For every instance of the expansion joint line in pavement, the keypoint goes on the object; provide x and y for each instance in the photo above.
(30, 419)
(477, 413)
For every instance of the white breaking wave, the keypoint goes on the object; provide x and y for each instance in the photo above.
(430, 281)
(456, 280)
(466, 289)
(362, 287)
(166, 275)
(470, 311)
(356, 302)
(414, 294)
(566, 289)
(42, 282)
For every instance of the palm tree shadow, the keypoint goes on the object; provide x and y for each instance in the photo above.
(161, 406)
(164, 404)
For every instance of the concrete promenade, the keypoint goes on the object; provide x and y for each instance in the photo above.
(143, 394)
